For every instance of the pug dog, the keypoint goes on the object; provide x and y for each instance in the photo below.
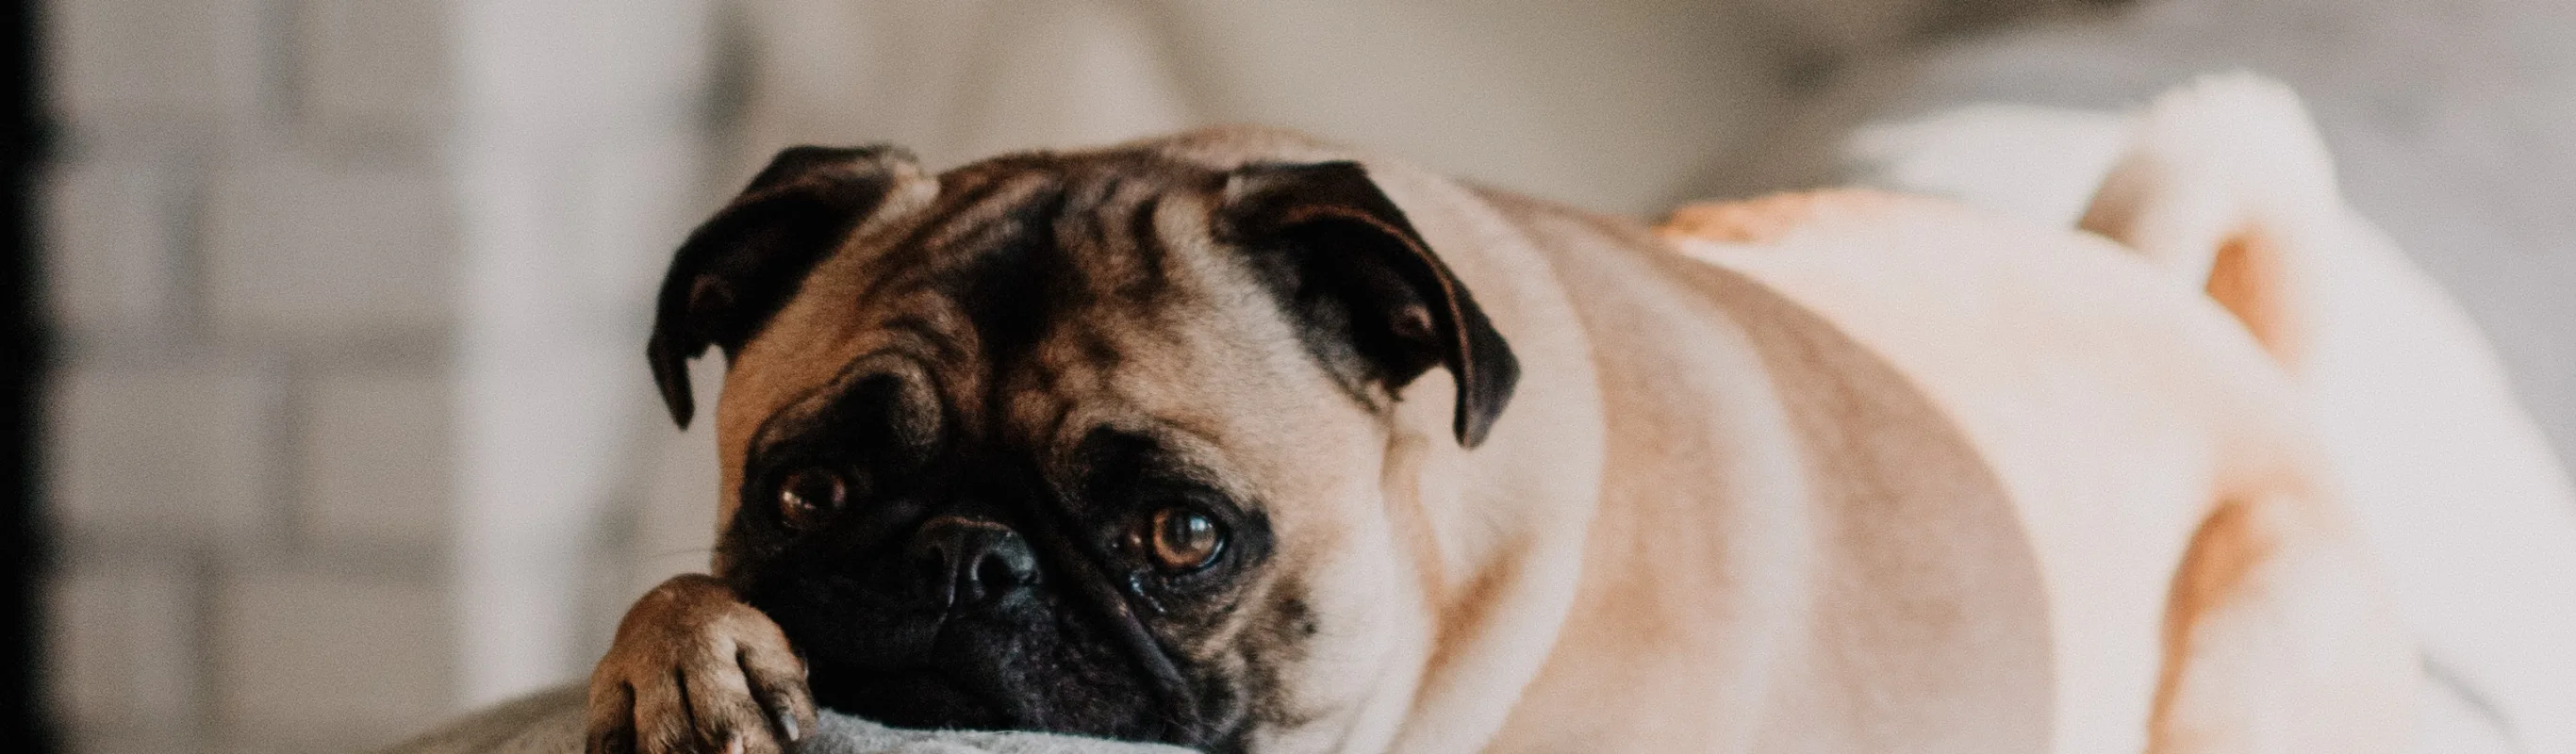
(1244, 442)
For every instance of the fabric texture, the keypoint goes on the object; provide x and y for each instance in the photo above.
(550, 722)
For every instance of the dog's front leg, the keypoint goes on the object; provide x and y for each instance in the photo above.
(694, 669)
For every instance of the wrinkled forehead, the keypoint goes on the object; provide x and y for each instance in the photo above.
(1074, 230)
(1025, 276)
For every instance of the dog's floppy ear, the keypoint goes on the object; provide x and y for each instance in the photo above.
(740, 267)
(1369, 291)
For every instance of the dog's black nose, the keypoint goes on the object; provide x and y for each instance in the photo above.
(964, 561)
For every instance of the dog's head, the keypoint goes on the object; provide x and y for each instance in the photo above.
(1067, 442)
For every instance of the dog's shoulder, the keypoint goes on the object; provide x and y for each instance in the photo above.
(1768, 219)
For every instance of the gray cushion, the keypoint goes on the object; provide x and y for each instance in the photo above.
(550, 722)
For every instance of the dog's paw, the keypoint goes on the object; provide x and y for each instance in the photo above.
(695, 670)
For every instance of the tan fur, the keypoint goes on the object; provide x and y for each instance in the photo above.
(1839, 471)
(2444, 476)
(2246, 275)
(751, 395)
(1667, 653)
(1764, 220)
(747, 695)
(2223, 553)
(2121, 438)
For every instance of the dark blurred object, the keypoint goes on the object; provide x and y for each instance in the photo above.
(24, 724)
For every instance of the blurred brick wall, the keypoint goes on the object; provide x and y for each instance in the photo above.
(250, 259)
(350, 426)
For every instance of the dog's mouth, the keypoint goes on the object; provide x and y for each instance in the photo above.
(937, 671)
(915, 698)
(977, 615)
(1037, 664)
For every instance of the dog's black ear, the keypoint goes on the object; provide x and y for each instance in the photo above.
(1372, 296)
(735, 271)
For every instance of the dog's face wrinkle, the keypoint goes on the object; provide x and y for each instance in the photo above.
(1091, 577)
(1077, 559)
(825, 575)
(1030, 278)
(1018, 280)
(1019, 284)
(1134, 470)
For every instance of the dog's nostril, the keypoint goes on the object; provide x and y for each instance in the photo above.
(1008, 566)
(962, 561)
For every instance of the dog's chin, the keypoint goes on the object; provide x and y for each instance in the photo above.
(1027, 661)
(984, 677)
(913, 698)
(945, 699)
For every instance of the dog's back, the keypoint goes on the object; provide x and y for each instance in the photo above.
(2225, 190)
(2448, 478)
(2152, 453)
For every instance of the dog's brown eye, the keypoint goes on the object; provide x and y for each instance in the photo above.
(810, 492)
(1182, 539)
